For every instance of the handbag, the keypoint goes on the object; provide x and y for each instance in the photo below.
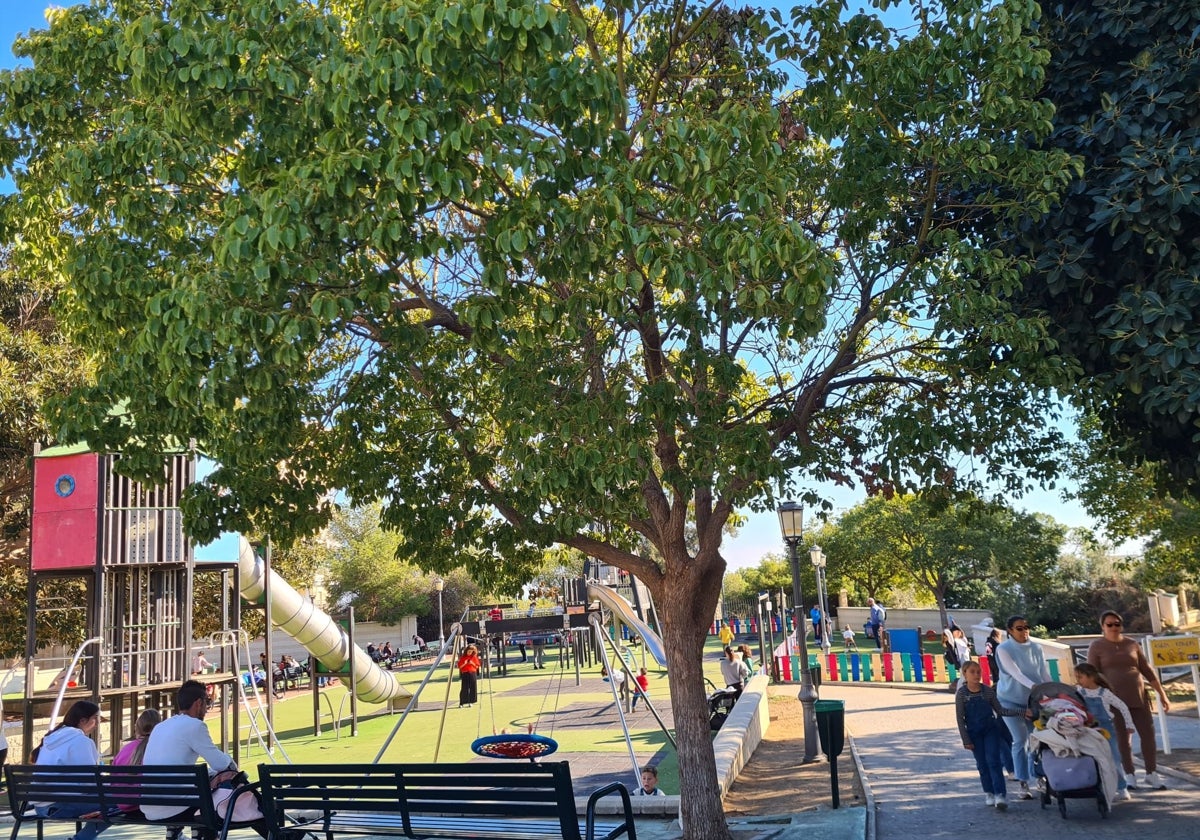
(246, 807)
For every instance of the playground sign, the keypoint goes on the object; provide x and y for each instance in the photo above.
(1172, 651)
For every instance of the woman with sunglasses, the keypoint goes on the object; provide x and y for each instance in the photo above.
(1022, 666)
(1123, 664)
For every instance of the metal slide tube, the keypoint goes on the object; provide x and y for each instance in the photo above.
(316, 631)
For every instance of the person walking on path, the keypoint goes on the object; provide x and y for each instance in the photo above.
(989, 652)
(875, 621)
(1022, 666)
(642, 688)
(468, 670)
(978, 713)
(726, 634)
(1125, 667)
(1105, 707)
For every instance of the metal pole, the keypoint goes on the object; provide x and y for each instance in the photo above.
(825, 622)
(768, 661)
(808, 694)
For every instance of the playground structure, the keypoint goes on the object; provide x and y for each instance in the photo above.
(122, 545)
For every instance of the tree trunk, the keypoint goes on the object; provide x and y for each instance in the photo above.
(685, 601)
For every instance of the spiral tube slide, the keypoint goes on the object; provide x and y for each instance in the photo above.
(319, 634)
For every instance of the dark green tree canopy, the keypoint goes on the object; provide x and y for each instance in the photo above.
(1117, 260)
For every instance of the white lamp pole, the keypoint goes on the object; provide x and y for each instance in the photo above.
(818, 560)
(791, 524)
(439, 585)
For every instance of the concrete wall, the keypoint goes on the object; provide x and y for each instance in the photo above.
(733, 745)
(910, 619)
(365, 632)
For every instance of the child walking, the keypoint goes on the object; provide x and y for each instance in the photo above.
(1103, 704)
(977, 711)
(643, 686)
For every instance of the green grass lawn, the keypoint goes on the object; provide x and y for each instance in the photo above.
(580, 719)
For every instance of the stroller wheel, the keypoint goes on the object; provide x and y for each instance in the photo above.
(1062, 806)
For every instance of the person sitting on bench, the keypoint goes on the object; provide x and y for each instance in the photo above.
(70, 743)
(182, 739)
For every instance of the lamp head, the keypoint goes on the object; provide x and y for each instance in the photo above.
(817, 556)
(439, 584)
(791, 522)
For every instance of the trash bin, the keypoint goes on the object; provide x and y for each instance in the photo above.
(831, 726)
(814, 674)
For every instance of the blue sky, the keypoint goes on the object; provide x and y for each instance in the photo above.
(761, 533)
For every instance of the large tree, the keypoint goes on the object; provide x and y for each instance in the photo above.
(529, 272)
(1117, 259)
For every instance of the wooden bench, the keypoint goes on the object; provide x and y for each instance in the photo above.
(496, 801)
(181, 788)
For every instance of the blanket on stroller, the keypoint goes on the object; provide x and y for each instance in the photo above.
(1063, 724)
(1077, 740)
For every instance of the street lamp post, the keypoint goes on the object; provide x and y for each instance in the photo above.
(439, 585)
(818, 560)
(791, 524)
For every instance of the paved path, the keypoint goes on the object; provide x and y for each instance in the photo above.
(925, 784)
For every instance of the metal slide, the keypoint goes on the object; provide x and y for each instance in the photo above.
(319, 634)
(617, 603)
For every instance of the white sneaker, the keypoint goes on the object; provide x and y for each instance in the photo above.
(1123, 795)
(1002, 802)
(1154, 782)
(1131, 781)
(1024, 792)
(989, 799)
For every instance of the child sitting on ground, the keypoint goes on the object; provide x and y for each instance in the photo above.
(848, 639)
(649, 782)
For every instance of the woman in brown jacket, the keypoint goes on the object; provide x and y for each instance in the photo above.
(1125, 667)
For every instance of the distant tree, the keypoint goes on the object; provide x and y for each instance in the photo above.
(1117, 259)
(37, 360)
(944, 544)
(1130, 503)
(860, 558)
(368, 569)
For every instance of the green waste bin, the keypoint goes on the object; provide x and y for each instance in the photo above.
(831, 726)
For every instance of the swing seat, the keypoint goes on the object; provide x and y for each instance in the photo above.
(531, 746)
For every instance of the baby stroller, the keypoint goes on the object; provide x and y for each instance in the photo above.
(720, 704)
(1071, 756)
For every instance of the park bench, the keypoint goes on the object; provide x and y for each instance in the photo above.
(495, 801)
(181, 788)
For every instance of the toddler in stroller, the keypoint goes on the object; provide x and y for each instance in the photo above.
(1071, 755)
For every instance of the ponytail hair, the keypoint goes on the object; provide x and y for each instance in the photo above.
(1090, 670)
(142, 728)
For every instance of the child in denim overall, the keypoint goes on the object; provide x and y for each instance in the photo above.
(1100, 702)
(977, 711)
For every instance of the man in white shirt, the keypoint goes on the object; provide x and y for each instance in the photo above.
(182, 739)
